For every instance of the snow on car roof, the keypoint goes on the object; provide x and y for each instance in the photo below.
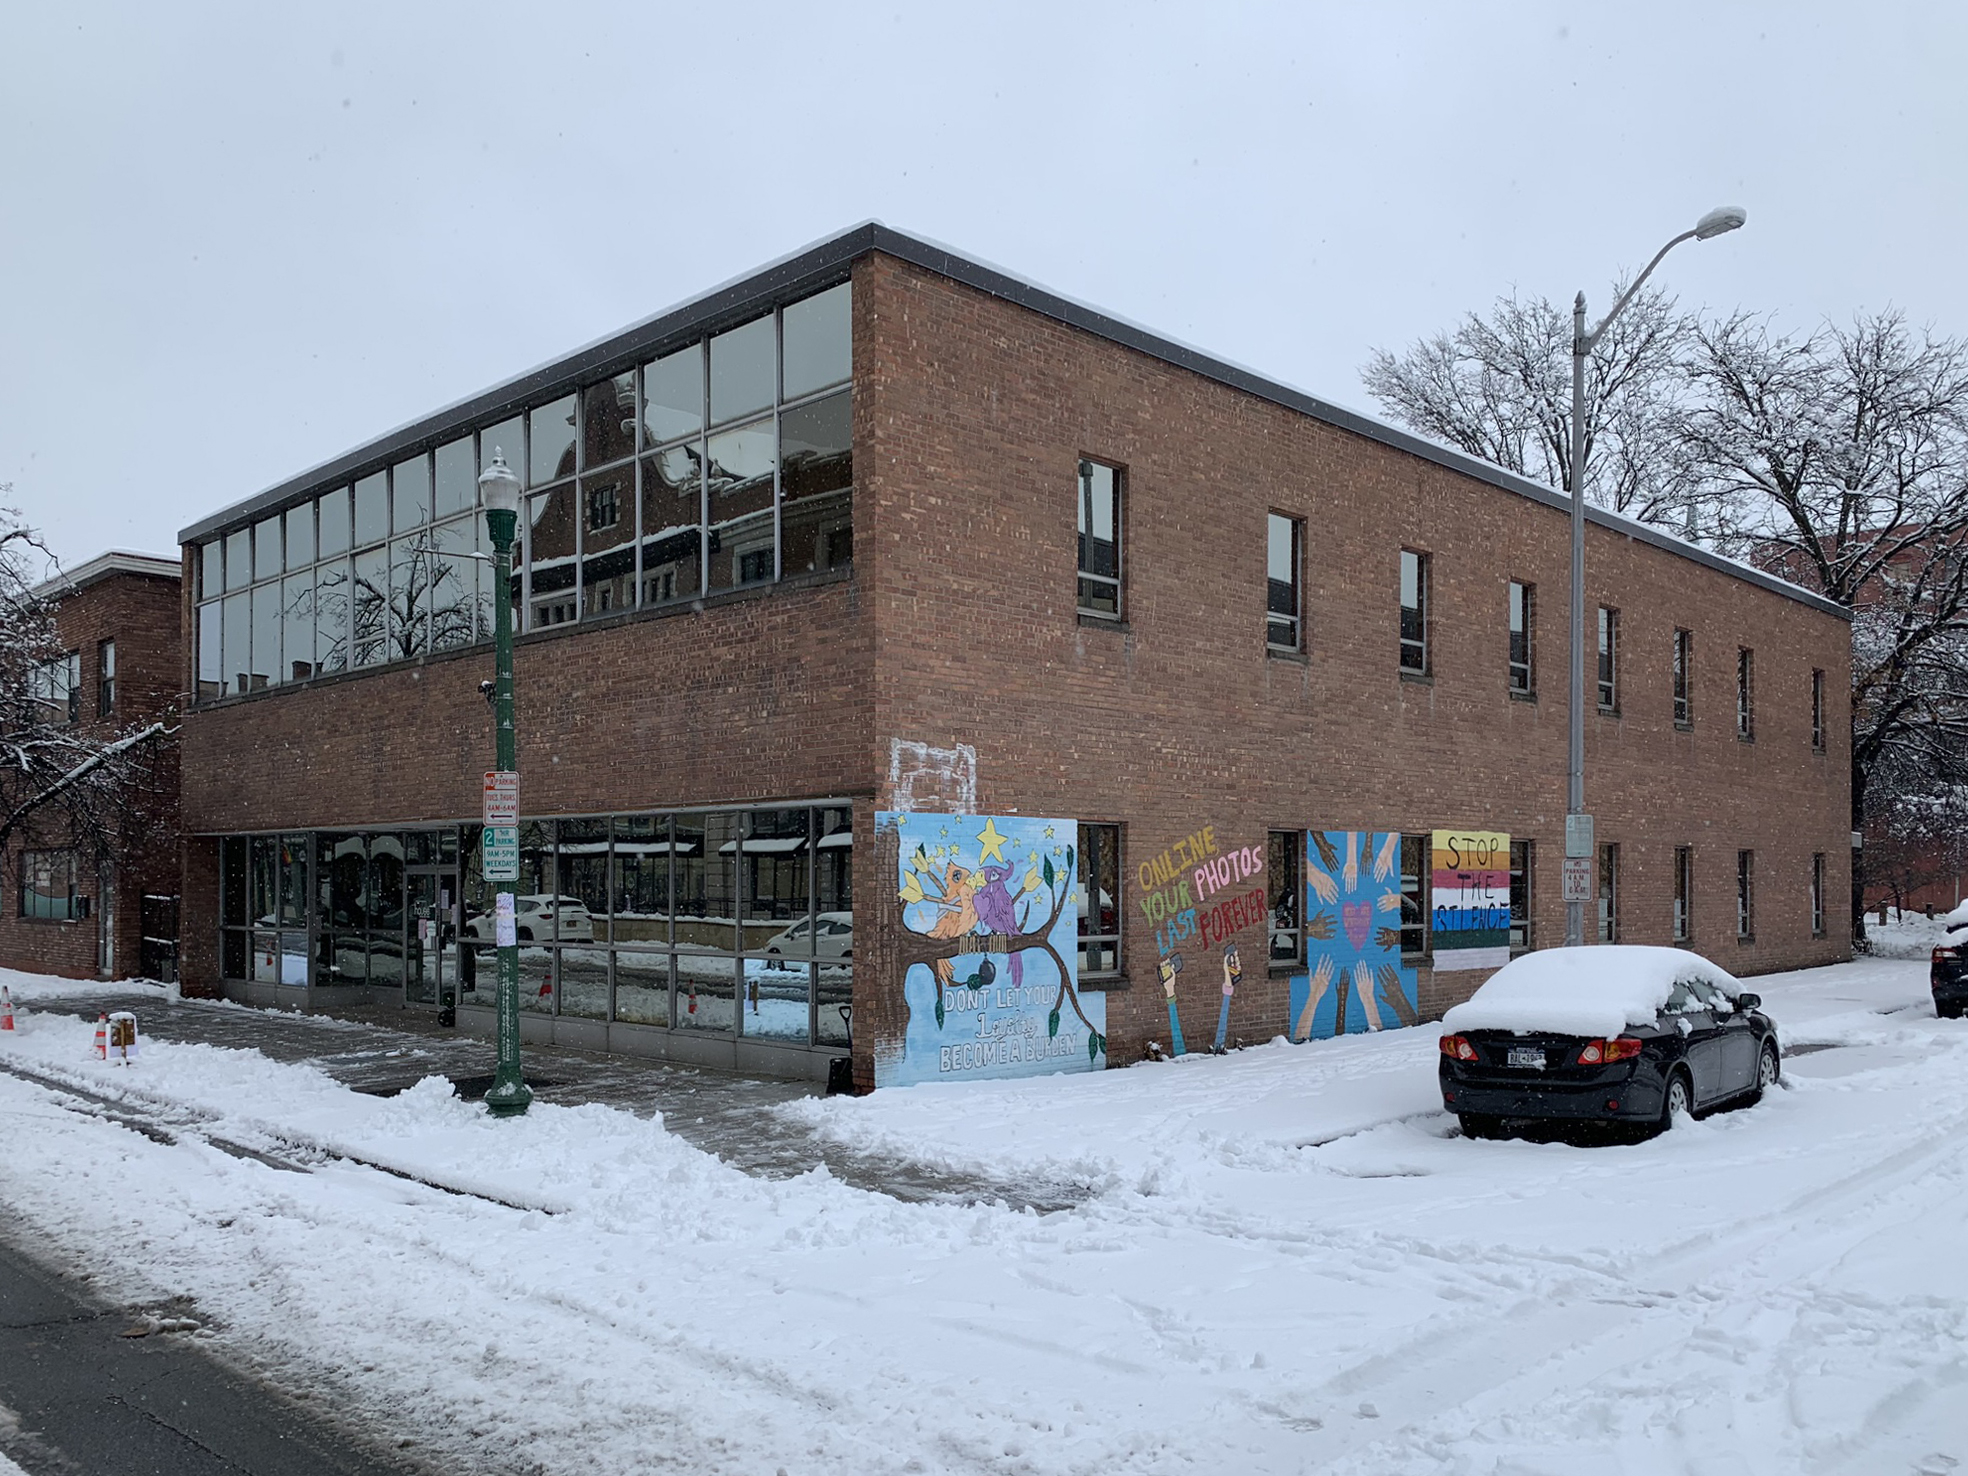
(1582, 991)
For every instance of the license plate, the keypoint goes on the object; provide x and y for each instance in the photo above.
(1531, 1056)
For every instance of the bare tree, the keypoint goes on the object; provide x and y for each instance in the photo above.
(1500, 388)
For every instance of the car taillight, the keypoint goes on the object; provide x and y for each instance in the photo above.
(1459, 1047)
(1945, 953)
(1602, 1052)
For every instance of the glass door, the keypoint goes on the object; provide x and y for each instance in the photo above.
(430, 974)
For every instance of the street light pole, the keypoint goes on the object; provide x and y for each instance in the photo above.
(1577, 825)
(499, 491)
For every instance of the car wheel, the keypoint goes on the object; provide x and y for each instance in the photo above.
(1480, 1125)
(524, 935)
(1767, 1071)
(1950, 1011)
(1679, 1098)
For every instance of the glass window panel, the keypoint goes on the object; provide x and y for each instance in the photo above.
(385, 901)
(608, 541)
(232, 880)
(238, 558)
(238, 645)
(777, 877)
(582, 858)
(536, 979)
(410, 494)
(816, 473)
(386, 960)
(211, 575)
(341, 879)
(834, 862)
(297, 627)
(706, 992)
(211, 669)
(673, 396)
(550, 442)
(742, 370)
(369, 601)
(706, 852)
(266, 548)
(833, 989)
(332, 586)
(333, 511)
(371, 509)
(819, 341)
(508, 438)
(263, 880)
(775, 1004)
(300, 536)
(456, 488)
(672, 538)
(608, 421)
(291, 911)
(740, 468)
(410, 596)
(642, 987)
(552, 531)
(454, 585)
(582, 982)
(640, 885)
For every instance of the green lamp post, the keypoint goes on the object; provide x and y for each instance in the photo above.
(499, 491)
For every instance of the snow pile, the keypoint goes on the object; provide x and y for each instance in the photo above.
(1592, 992)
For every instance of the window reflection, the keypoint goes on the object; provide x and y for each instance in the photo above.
(608, 541)
(369, 597)
(238, 638)
(371, 509)
(640, 884)
(300, 536)
(742, 370)
(456, 483)
(454, 584)
(410, 494)
(333, 509)
(266, 548)
(410, 596)
(508, 438)
(608, 421)
(819, 343)
(551, 531)
(672, 540)
(739, 477)
(211, 572)
(550, 442)
(211, 670)
(673, 396)
(238, 559)
(815, 476)
(332, 605)
(297, 626)
(266, 637)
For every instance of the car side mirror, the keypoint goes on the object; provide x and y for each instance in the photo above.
(1749, 1001)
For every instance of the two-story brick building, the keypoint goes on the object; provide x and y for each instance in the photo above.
(920, 665)
(74, 909)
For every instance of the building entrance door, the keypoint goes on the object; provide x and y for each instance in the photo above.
(430, 973)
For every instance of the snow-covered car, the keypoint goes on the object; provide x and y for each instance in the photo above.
(1947, 973)
(827, 935)
(1613, 1034)
(540, 918)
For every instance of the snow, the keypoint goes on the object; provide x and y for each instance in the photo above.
(1592, 992)
(1281, 1260)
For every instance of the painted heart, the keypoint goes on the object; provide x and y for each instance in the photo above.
(1357, 919)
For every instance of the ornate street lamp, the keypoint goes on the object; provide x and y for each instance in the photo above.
(499, 491)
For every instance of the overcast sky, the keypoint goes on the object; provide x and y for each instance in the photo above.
(238, 239)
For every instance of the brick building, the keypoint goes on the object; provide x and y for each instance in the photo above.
(75, 912)
(919, 666)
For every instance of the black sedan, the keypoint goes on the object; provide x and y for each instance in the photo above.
(1704, 1047)
(1948, 974)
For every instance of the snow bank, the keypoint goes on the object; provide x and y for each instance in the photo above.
(1582, 991)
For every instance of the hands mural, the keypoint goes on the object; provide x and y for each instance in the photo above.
(1356, 980)
(989, 949)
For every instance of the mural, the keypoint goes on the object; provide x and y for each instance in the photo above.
(1195, 890)
(1355, 981)
(1471, 916)
(989, 950)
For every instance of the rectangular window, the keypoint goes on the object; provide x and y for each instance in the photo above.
(1417, 882)
(1414, 612)
(1609, 899)
(1745, 694)
(1523, 881)
(1284, 860)
(1684, 893)
(1745, 895)
(1523, 619)
(1817, 894)
(105, 678)
(1284, 548)
(47, 885)
(1609, 625)
(1100, 540)
(56, 687)
(1817, 710)
(1684, 708)
(1099, 899)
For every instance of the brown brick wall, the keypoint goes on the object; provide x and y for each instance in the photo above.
(972, 417)
(141, 614)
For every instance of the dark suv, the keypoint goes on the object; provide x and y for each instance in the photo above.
(1949, 977)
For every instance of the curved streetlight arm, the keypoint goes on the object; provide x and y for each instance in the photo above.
(1586, 341)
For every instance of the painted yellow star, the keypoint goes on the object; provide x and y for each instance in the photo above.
(992, 842)
(1048, 832)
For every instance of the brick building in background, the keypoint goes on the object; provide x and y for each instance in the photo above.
(71, 911)
(921, 667)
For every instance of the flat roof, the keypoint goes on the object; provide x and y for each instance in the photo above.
(116, 561)
(829, 261)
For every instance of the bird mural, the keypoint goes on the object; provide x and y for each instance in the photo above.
(997, 909)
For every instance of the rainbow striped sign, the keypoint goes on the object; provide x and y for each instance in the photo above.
(1470, 919)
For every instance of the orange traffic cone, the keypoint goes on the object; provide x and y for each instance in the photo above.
(102, 1037)
(6, 1008)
